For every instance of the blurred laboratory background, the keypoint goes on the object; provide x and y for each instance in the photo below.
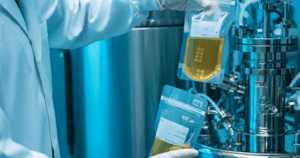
(106, 94)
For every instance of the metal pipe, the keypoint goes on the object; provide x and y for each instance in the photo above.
(285, 29)
(286, 12)
(238, 141)
(267, 21)
(297, 142)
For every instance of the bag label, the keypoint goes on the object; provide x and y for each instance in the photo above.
(171, 132)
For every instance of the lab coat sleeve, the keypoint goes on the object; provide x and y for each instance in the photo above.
(9, 148)
(75, 23)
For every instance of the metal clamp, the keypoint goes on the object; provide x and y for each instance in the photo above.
(265, 48)
(223, 118)
(230, 84)
(270, 110)
(211, 111)
(266, 107)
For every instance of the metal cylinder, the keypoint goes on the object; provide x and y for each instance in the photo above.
(265, 132)
(265, 70)
(118, 84)
(265, 91)
(238, 140)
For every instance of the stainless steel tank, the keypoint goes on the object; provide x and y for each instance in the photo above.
(117, 85)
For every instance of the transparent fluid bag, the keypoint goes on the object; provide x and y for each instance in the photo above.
(179, 120)
(204, 49)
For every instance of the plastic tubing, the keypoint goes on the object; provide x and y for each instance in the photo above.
(292, 84)
(210, 101)
(193, 89)
(243, 8)
(294, 81)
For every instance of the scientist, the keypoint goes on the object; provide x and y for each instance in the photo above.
(28, 28)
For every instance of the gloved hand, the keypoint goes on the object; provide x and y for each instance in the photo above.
(181, 153)
(185, 5)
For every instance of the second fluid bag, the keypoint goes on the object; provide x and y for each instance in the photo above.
(179, 120)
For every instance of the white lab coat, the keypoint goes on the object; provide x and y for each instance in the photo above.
(27, 119)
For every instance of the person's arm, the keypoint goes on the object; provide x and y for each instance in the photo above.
(9, 148)
(75, 23)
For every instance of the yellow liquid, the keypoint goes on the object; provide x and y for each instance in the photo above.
(203, 57)
(160, 146)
